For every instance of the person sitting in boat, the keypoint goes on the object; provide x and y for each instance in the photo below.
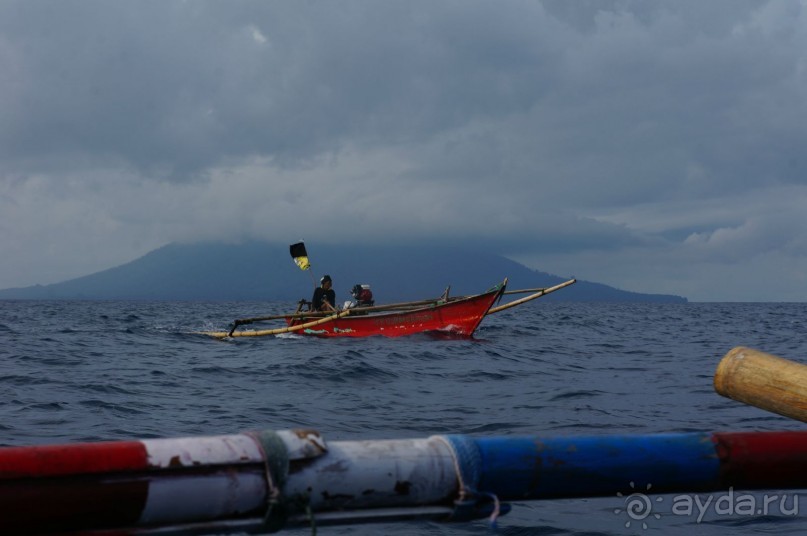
(324, 296)
(363, 295)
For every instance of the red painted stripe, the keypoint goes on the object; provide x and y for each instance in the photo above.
(47, 506)
(72, 459)
(757, 460)
(78, 486)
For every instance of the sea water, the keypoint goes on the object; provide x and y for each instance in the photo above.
(86, 371)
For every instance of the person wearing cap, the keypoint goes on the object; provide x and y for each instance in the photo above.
(324, 296)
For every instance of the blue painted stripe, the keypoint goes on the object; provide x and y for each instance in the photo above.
(534, 468)
(468, 459)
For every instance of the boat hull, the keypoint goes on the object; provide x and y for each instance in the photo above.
(460, 317)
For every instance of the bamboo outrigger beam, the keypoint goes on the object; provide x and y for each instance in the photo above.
(541, 292)
(276, 331)
(262, 481)
(310, 314)
(524, 290)
(765, 381)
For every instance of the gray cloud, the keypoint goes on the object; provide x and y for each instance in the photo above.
(645, 144)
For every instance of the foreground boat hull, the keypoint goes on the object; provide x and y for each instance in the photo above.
(460, 317)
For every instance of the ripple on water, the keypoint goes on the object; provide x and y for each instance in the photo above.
(80, 371)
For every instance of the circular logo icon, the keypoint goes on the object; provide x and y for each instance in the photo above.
(638, 507)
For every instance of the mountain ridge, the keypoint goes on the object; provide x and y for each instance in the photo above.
(261, 271)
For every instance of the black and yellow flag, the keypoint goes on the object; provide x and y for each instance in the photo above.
(299, 255)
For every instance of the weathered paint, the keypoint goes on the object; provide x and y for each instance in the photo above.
(63, 487)
(195, 451)
(303, 443)
(195, 498)
(372, 474)
(222, 484)
(73, 459)
(541, 468)
(774, 460)
(134, 483)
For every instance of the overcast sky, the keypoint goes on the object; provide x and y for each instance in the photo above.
(652, 146)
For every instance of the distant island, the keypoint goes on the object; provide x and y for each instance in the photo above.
(261, 271)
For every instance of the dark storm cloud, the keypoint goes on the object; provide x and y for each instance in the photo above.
(566, 131)
(186, 85)
(644, 89)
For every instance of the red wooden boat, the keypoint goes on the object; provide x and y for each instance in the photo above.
(458, 316)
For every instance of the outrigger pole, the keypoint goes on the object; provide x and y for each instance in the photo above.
(540, 292)
(263, 481)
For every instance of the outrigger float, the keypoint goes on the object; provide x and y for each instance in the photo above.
(456, 316)
(259, 482)
(264, 481)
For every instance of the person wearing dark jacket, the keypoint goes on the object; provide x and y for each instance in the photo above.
(324, 296)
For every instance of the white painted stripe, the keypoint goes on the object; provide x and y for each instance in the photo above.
(377, 474)
(196, 451)
(185, 499)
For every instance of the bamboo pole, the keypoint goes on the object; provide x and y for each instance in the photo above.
(277, 331)
(393, 306)
(523, 291)
(542, 292)
(763, 380)
(309, 314)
